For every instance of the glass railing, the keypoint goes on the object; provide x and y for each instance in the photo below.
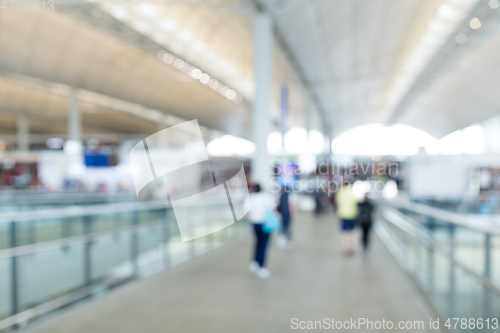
(55, 257)
(453, 258)
(485, 204)
(29, 200)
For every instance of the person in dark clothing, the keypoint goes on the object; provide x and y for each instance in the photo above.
(286, 207)
(365, 220)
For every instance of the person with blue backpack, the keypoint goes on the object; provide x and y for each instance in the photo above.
(262, 217)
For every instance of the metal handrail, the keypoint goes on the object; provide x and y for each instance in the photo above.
(460, 220)
(72, 240)
(87, 214)
(77, 211)
(90, 210)
(400, 221)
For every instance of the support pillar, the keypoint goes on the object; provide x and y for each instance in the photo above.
(261, 110)
(23, 140)
(74, 118)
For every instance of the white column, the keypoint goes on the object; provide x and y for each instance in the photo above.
(307, 114)
(23, 140)
(261, 110)
(328, 150)
(74, 118)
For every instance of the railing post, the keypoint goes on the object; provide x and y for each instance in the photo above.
(487, 256)
(430, 254)
(166, 239)
(87, 251)
(452, 265)
(487, 274)
(135, 243)
(32, 233)
(14, 277)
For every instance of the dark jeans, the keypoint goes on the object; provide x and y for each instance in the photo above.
(285, 225)
(365, 228)
(261, 239)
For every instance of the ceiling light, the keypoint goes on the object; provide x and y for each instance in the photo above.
(214, 84)
(494, 4)
(461, 38)
(178, 63)
(119, 13)
(448, 12)
(475, 23)
(230, 94)
(199, 46)
(141, 26)
(195, 73)
(147, 9)
(168, 58)
(204, 78)
(161, 54)
(185, 36)
(168, 24)
(55, 143)
(160, 38)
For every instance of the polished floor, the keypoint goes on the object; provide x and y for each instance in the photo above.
(216, 293)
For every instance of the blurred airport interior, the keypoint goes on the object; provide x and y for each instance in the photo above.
(134, 133)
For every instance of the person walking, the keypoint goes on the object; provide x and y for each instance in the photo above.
(347, 211)
(260, 202)
(365, 222)
(287, 207)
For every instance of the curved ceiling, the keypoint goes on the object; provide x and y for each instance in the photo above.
(347, 55)
(355, 54)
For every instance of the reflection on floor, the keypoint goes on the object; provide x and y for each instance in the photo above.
(216, 293)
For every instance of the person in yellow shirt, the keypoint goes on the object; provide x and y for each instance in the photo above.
(347, 211)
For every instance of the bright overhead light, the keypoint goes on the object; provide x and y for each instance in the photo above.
(55, 143)
(494, 4)
(168, 24)
(141, 26)
(274, 143)
(204, 78)
(461, 38)
(119, 13)
(230, 94)
(185, 36)
(160, 38)
(450, 13)
(168, 58)
(147, 9)
(178, 63)
(214, 84)
(199, 46)
(475, 23)
(296, 140)
(72, 147)
(195, 73)
(380, 140)
(229, 145)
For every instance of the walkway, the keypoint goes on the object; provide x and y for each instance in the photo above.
(215, 293)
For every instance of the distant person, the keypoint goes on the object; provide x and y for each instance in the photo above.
(347, 211)
(287, 207)
(260, 201)
(365, 222)
(318, 199)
